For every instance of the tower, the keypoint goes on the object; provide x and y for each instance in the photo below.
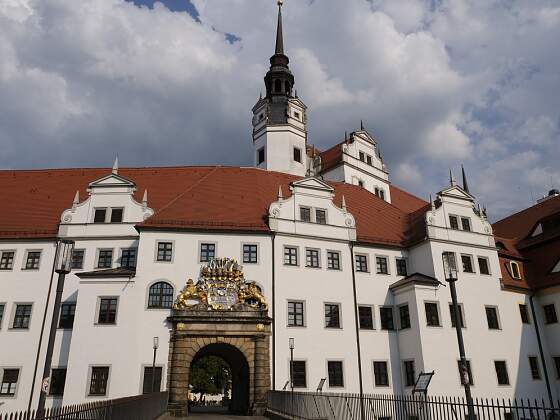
(279, 119)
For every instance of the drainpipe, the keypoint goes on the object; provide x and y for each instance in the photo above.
(356, 321)
(42, 330)
(273, 316)
(541, 352)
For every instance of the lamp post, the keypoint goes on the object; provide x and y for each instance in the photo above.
(450, 270)
(292, 345)
(156, 345)
(63, 266)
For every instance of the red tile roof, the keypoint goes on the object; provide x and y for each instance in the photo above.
(536, 255)
(214, 198)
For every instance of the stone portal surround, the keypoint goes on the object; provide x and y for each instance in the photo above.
(247, 331)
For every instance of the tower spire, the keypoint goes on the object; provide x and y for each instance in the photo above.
(465, 185)
(279, 36)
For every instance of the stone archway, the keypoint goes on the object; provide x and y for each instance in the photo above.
(236, 336)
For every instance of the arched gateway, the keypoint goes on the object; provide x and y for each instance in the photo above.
(221, 315)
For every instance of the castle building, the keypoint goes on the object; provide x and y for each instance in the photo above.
(350, 266)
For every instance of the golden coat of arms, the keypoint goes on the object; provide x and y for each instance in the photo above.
(221, 287)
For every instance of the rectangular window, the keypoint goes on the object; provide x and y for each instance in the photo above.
(116, 215)
(381, 373)
(295, 314)
(524, 314)
(107, 311)
(386, 317)
(290, 255)
(333, 260)
(312, 258)
(207, 252)
(299, 372)
(2, 307)
(99, 379)
(365, 314)
(260, 156)
(432, 315)
(128, 257)
(105, 258)
(164, 251)
(469, 372)
(7, 260)
(467, 264)
(452, 315)
(332, 315)
(58, 379)
(321, 216)
(362, 156)
(368, 160)
(361, 263)
(483, 265)
(305, 214)
(409, 374)
(453, 222)
(67, 313)
(492, 317)
(534, 366)
(250, 254)
(99, 216)
(336, 377)
(557, 366)
(501, 372)
(297, 154)
(466, 224)
(550, 316)
(9, 381)
(32, 261)
(22, 316)
(147, 384)
(404, 314)
(381, 265)
(401, 267)
(296, 115)
(78, 259)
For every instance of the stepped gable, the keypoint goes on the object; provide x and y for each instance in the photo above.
(211, 197)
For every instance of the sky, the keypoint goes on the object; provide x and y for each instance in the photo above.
(438, 83)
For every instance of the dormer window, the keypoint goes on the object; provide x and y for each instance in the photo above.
(297, 154)
(321, 216)
(117, 215)
(515, 273)
(362, 156)
(368, 159)
(305, 214)
(296, 115)
(466, 223)
(454, 222)
(100, 215)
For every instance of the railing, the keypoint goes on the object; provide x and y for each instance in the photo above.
(315, 406)
(139, 407)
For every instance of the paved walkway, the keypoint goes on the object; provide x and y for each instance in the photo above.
(209, 416)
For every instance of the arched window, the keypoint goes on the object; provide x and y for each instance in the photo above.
(160, 295)
(278, 86)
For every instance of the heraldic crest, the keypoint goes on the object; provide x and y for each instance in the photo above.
(222, 286)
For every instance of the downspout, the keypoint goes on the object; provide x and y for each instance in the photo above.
(273, 316)
(541, 352)
(356, 322)
(42, 330)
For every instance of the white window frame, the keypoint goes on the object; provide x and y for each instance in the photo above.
(83, 259)
(387, 261)
(472, 263)
(13, 261)
(396, 266)
(314, 216)
(373, 317)
(13, 315)
(389, 379)
(334, 251)
(462, 311)
(482, 257)
(343, 374)
(59, 397)
(284, 255)
(147, 299)
(109, 214)
(304, 306)
(300, 155)
(97, 252)
(143, 366)
(367, 262)
(88, 383)
(2, 368)
(516, 264)
(258, 245)
(318, 267)
(496, 373)
(310, 214)
(200, 243)
(438, 308)
(404, 372)
(127, 248)
(26, 255)
(340, 323)
(158, 241)
(98, 308)
(539, 369)
(497, 317)
(300, 359)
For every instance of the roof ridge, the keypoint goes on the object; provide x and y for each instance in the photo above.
(526, 209)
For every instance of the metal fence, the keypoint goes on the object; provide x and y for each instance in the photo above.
(316, 406)
(139, 407)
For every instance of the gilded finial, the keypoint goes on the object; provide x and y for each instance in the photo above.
(280, 3)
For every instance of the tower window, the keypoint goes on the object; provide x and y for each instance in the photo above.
(297, 154)
(296, 115)
(260, 156)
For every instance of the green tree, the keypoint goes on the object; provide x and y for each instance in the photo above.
(210, 375)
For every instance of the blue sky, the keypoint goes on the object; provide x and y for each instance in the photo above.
(173, 83)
